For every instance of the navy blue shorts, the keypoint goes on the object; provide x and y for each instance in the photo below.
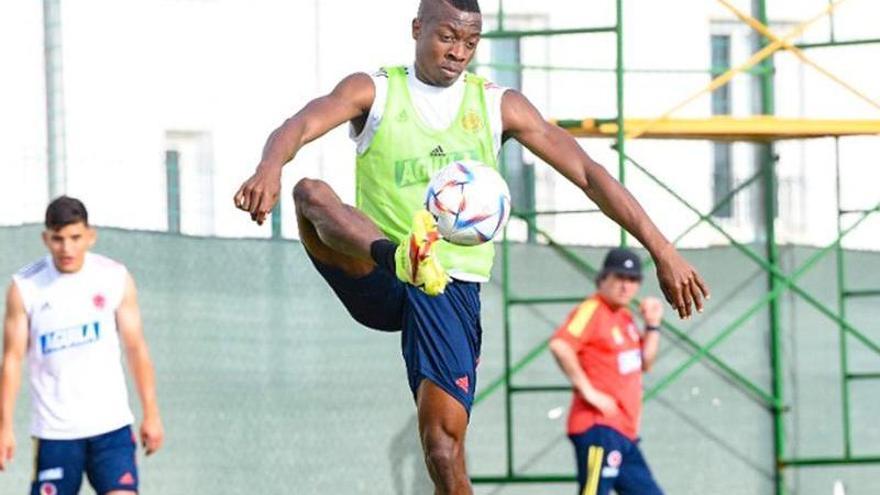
(607, 459)
(441, 335)
(108, 460)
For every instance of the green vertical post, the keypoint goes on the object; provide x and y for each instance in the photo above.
(500, 15)
(529, 200)
(619, 72)
(172, 189)
(505, 322)
(276, 221)
(508, 395)
(841, 309)
(768, 165)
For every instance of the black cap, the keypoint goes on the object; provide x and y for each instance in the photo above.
(621, 261)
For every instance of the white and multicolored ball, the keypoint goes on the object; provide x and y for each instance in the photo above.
(470, 200)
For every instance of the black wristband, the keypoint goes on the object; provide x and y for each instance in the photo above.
(652, 328)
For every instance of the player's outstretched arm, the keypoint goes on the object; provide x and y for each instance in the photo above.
(131, 333)
(350, 99)
(681, 284)
(15, 338)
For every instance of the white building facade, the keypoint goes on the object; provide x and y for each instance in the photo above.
(206, 81)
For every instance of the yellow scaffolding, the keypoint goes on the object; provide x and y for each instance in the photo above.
(724, 128)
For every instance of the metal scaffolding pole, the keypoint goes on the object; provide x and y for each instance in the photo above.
(768, 165)
(841, 308)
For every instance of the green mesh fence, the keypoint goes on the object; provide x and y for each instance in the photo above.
(266, 385)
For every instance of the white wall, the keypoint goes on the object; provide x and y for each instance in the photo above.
(22, 113)
(136, 71)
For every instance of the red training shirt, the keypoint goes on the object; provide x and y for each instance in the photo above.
(609, 349)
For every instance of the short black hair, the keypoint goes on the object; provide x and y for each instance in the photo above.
(466, 5)
(64, 211)
(463, 5)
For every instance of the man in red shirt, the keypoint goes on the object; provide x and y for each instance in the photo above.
(603, 353)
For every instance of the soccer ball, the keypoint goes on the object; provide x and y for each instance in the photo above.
(470, 201)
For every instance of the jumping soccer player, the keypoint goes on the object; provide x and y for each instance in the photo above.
(382, 258)
(67, 315)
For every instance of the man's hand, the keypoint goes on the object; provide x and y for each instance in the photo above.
(259, 194)
(603, 402)
(7, 447)
(680, 282)
(652, 311)
(152, 434)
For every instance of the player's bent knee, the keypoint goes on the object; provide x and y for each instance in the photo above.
(308, 192)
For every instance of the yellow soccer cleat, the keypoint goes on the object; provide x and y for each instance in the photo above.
(416, 260)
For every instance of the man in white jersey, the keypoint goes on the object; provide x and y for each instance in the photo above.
(383, 258)
(67, 314)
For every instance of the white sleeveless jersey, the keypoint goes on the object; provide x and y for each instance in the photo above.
(436, 106)
(78, 386)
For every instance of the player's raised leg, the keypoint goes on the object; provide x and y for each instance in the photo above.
(333, 232)
(442, 425)
(341, 236)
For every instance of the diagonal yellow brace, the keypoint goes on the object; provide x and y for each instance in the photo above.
(768, 33)
(723, 79)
